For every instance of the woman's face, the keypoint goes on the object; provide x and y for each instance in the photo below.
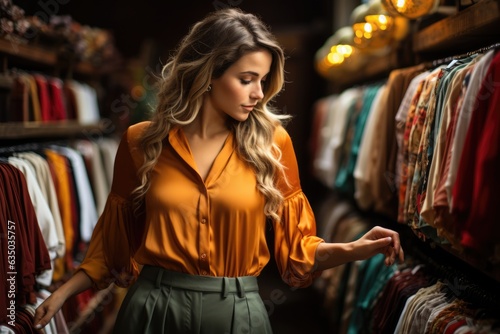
(239, 89)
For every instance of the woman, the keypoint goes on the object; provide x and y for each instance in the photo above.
(194, 188)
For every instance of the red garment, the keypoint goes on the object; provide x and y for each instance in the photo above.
(478, 180)
(58, 101)
(454, 325)
(44, 96)
(31, 255)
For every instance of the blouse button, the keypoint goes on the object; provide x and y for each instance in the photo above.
(204, 272)
(203, 256)
(203, 221)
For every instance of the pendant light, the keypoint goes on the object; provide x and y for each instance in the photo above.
(411, 9)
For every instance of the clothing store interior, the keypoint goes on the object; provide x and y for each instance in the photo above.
(390, 102)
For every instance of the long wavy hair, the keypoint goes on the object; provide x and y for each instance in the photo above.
(211, 46)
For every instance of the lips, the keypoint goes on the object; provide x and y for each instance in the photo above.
(249, 108)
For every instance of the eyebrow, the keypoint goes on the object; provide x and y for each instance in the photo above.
(253, 73)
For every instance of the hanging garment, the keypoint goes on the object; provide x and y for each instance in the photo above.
(43, 214)
(435, 152)
(362, 183)
(31, 256)
(474, 197)
(58, 112)
(47, 188)
(87, 215)
(407, 105)
(327, 160)
(383, 156)
(44, 96)
(344, 181)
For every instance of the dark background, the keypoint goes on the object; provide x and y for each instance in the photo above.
(134, 21)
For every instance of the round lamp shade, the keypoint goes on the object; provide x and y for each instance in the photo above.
(411, 9)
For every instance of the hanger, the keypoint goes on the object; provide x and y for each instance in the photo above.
(446, 60)
(32, 147)
(461, 282)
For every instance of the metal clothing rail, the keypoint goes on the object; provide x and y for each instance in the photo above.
(446, 60)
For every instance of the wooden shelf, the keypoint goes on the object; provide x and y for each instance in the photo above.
(37, 55)
(28, 52)
(46, 130)
(475, 27)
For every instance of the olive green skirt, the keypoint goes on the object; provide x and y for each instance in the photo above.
(163, 301)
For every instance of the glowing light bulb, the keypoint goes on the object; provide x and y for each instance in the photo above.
(411, 9)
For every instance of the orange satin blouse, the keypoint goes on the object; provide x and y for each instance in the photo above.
(214, 227)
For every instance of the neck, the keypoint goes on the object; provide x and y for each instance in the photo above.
(208, 124)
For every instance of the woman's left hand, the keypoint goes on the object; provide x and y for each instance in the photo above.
(380, 240)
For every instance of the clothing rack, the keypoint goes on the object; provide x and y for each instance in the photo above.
(474, 285)
(446, 60)
(31, 146)
(475, 282)
(478, 290)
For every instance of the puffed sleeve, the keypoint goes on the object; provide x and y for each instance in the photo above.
(295, 235)
(118, 232)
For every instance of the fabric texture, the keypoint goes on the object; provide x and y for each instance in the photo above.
(214, 227)
(163, 301)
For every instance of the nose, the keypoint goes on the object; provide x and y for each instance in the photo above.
(257, 93)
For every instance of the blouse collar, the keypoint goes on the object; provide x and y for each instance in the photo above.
(180, 144)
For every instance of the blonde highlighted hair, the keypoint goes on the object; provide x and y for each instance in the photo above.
(211, 46)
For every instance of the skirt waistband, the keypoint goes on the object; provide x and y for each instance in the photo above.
(223, 285)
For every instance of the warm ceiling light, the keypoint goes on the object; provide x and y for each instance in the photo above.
(338, 56)
(411, 9)
(375, 33)
(372, 25)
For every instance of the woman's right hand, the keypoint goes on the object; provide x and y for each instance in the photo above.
(46, 311)
(79, 282)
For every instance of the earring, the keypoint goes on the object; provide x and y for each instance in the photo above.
(209, 88)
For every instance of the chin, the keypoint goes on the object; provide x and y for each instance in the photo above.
(241, 118)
